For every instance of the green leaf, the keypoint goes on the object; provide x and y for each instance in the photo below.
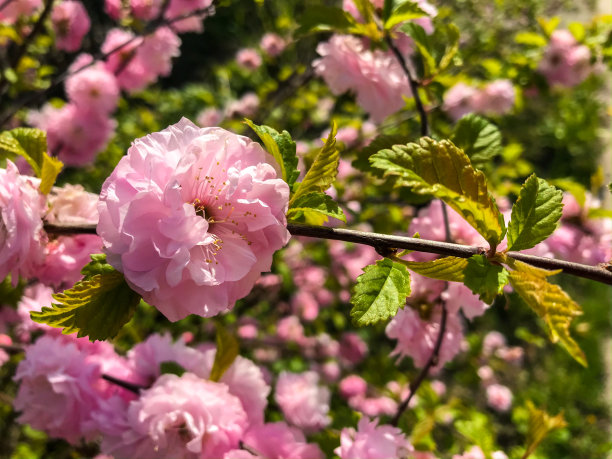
(10, 295)
(323, 171)
(318, 18)
(443, 170)
(402, 12)
(314, 208)
(96, 307)
(172, 368)
(540, 424)
(535, 214)
(51, 167)
(478, 138)
(484, 278)
(282, 147)
(530, 39)
(97, 265)
(380, 291)
(362, 162)
(477, 430)
(553, 305)
(577, 190)
(446, 268)
(437, 50)
(227, 351)
(423, 44)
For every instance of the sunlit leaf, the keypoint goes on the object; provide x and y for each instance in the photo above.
(539, 426)
(485, 279)
(227, 351)
(446, 268)
(478, 138)
(404, 11)
(314, 208)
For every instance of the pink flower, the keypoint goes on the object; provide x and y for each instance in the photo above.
(492, 341)
(34, 298)
(145, 9)
(21, 208)
(373, 406)
(247, 105)
(157, 51)
(16, 8)
(179, 417)
(209, 117)
(565, 62)
(458, 296)
(304, 403)
(496, 98)
(7, 341)
(290, 329)
(372, 441)
(278, 441)
(94, 87)
(72, 205)
(248, 58)
(376, 77)
(192, 216)
(70, 24)
(272, 44)
(499, 397)
(353, 348)
(459, 100)
(123, 60)
(113, 8)
(179, 8)
(352, 386)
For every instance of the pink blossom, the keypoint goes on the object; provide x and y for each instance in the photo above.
(179, 8)
(21, 208)
(353, 348)
(290, 329)
(209, 117)
(485, 373)
(72, 205)
(416, 337)
(16, 8)
(157, 51)
(305, 304)
(124, 60)
(113, 8)
(330, 371)
(145, 9)
(372, 441)
(6, 341)
(247, 105)
(492, 341)
(192, 216)
(304, 403)
(57, 388)
(458, 100)
(565, 62)
(373, 406)
(70, 24)
(512, 354)
(458, 296)
(34, 298)
(179, 417)
(248, 58)
(473, 453)
(93, 87)
(499, 397)
(374, 76)
(272, 44)
(496, 98)
(352, 386)
(279, 441)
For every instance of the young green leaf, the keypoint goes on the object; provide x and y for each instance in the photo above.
(96, 307)
(446, 268)
(402, 12)
(443, 170)
(553, 305)
(437, 50)
(97, 265)
(478, 138)
(362, 161)
(314, 208)
(282, 147)
(424, 46)
(540, 424)
(171, 368)
(535, 214)
(227, 351)
(51, 167)
(319, 18)
(380, 291)
(323, 171)
(485, 279)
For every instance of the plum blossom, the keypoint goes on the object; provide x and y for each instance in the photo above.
(499, 397)
(372, 441)
(192, 217)
(279, 441)
(304, 403)
(198, 9)
(458, 100)
(496, 98)
(6, 341)
(93, 87)
(209, 117)
(16, 8)
(21, 237)
(352, 386)
(248, 58)
(70, 24)
(272, 44)
(247, 105)
(565, 62)
(375, 76)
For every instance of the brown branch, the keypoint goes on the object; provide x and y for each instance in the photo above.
(136, 388)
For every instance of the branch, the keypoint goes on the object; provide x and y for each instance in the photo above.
(136, 388)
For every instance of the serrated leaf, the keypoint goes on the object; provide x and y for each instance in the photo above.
(402, 12)
(362, 162)
(51, 167)
(533, 270)
(318, 18)
(313, 207)
(323, 171)
(485, 279)
(553, 305)
(443, 170)
(437, 50)
(535, 214)
(380, 291)
(478, 138)
(540, 424)
(97, 265)
(96, 307)
(446, 268)
(172, 368)
(577, 190)
(423, 44)
(282, 147)
(227, 351)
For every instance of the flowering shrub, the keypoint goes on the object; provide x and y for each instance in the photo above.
(370, 268)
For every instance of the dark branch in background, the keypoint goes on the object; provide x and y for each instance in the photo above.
(5, 3)
(125, 384)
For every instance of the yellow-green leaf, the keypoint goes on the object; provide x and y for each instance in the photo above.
(446, 268)
(227, 351)
(405, 11)
(314, 209)
(553, 305)
(445, 171)
(539, 426)
(51, 167)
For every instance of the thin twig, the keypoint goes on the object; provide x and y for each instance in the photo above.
(136, 388)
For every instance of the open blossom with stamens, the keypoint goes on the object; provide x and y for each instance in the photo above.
(192, 216)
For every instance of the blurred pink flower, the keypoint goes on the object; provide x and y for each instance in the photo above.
(304, 403)
(196, 9)
(95, 87)
(70, 24)
(290, 329)
(374, 406)
(372, 441)
(458, 296)
(279, 441)
(192, 216)
(16, 8)
(499, 397)
(352, 386)
(209, 117)
(272, 44)
(247, 105)
(353, 348)
(459, 100)
(565, 62)
(496, 98)
(248, 58)
(157, 51)
(145, 9)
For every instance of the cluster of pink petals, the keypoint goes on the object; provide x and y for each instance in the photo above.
(34, 298)
(17, 8)
(475, 452)
(353, 385)
(565, 62)
(93, 87)
(495, 98)
(70, 24)
(372, 441)
(248, 58)
(303, 401)
(499, 397)
(375, 76)
(72, 205)
(192, 216)
(272, 44)
(247, 105)
(416, 338)
(209, 117)
(21, 236)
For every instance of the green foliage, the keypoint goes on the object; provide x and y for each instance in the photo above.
(31, 144)
(282, 147)
(97, 306)
(437, 50)
(322, 18)
(443, 170)
(477, 431)
(362, 162)
(478, 138)
(540, 425)
(380, 291)
(446, 268)
(484, 278)
(535, 214)
(314, 208)
(227, 351)
(172, 368)
(551, 304)
(9, 293)
(403, 11)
